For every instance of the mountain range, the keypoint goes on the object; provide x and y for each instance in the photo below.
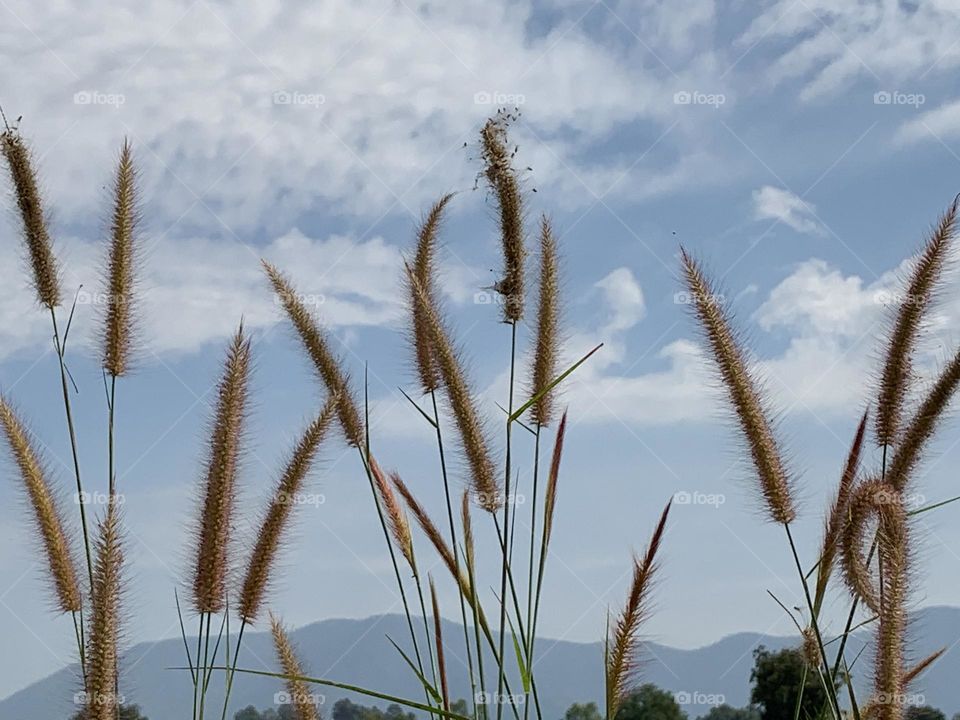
(358, 652)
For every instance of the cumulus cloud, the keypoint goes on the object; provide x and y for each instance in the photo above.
(771, 203)
(938, 124)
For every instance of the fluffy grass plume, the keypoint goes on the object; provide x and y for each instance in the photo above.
(472, 434)
(550, 502)
(503, 182)
(118, 326)
(923, 424)
(43, 263)
(304, 707)
(277, 517)
(893, 554)
(397, 521)
(895, 376)
(623, 646)
(102, 647)
(548, 321)
(743, 393)
(837, 515)
(327, 365)
(47, 515)
(219, 492)
(424, 267)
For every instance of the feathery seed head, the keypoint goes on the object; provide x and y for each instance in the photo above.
(424, 267)
(550, 502)
(219, 492)
(548, 312)
(502, 180)
(47, 515)
(895, 376)
(325, 362)
(102, 652)
(119, 321)
(304, 705)
(743, 394)
(623, 656)
(43, 263)
(277, 517)
(396, 517)
(472, 434)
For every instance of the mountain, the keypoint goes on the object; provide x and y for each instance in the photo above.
(357, 652)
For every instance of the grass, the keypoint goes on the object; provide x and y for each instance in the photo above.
(867, 541)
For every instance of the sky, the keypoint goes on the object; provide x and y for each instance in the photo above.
(801, 149)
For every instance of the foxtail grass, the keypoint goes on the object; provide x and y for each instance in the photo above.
(304, 708)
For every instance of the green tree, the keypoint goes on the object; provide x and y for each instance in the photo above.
(777, 678)
(727, 712)
(648, 702)
(923, 712)
(586, 711)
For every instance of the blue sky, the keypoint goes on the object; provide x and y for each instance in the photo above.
(800, 148)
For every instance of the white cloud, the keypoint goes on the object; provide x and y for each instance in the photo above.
(770, 203)
(938, 124)
(836, 41)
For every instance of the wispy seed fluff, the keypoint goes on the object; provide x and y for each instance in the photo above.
(102, 650)
(473, 438)
(277, 517)
(503, 182)
(46, 270)
(424, 267)
(302, 701)
(743, 393)
(396, 518)
(47, 516)
(118, 326)
(923, 425)
(874, 498)
(317, 347)
(895, 377)
(219, 492)
(548, 314)
(623, 651)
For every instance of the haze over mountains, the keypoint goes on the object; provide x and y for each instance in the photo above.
(357, 652)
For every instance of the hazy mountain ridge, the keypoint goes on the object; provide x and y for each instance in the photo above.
(357, 652)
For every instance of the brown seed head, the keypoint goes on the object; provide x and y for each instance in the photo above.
(216, 520)
(102, 653)
(550, 503)
(472, 435)
(624, 651)
(396, 517)
(46, 270)
(47, 515)
(502, 180)
(277, 517)
(304, 705)
(315, 343)
(548, 314)
(424, 267)
(895, 376)
(118, 327)
(743, 394)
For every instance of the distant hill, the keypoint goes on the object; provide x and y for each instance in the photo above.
(356, 651)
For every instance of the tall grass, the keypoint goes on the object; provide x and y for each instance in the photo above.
(866, 530)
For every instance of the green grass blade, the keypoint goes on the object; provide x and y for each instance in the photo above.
(426, 684)
(559, 379)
